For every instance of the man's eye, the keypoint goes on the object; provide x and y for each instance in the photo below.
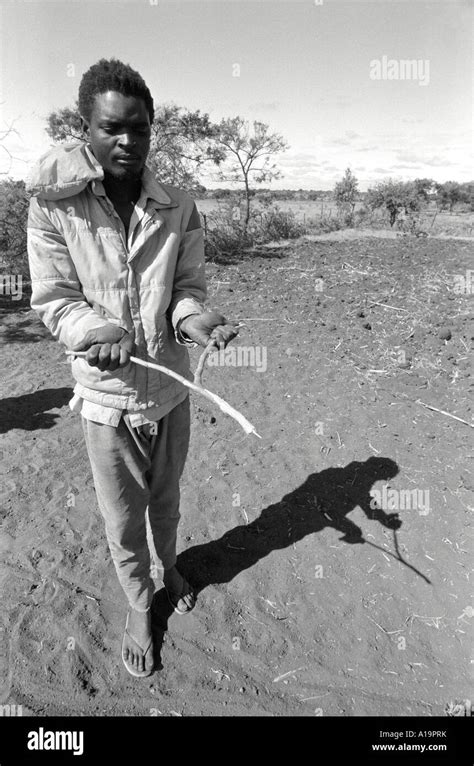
(141, 132)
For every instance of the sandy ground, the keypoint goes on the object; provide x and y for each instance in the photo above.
(311, 602)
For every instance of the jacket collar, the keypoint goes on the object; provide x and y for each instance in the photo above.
(67, 169)
(63, 171)
(155, 190)
(151, 189)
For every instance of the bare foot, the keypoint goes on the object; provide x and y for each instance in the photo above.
(136, 641)
(183, 599)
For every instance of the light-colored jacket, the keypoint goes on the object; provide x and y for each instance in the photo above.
(86, 274)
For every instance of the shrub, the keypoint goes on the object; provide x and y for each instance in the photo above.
(279, 224)
(362, 216)
(225, 236)
(327, 223)
(13, 220)
(396, 197)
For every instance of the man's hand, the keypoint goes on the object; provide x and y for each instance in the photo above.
(210, 325)
(107, 348)
(392, 521)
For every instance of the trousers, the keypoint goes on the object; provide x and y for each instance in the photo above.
(136, 473)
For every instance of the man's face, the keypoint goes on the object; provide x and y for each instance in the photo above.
(119, 133)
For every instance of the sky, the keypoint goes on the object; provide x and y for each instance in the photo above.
(330, 76)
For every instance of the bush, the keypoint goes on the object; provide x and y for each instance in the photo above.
(279, 224)
(327, 223)
(396, 197)
(411, 224)
(362, 216)
(228, 238)
(13, 219)
(225, 236)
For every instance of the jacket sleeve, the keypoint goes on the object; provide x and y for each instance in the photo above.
(189, 287)
(55, 288)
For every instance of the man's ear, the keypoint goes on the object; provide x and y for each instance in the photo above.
(85, 127)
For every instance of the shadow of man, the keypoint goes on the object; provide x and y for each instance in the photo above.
(29, 410)
(323, 500)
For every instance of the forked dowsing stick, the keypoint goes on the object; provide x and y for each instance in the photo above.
(221, 403)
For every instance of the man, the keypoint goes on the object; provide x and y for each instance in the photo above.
(117, 267)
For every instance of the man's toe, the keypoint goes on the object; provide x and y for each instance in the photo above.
(149, 661)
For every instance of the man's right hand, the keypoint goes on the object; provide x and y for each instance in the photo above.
(107, 348)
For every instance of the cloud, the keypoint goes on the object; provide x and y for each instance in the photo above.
(299, 161)
(349, 137)
(412, 120)
(339, 103)
(340, 141)
(437, 162)
(421, 158)
(408, 166)
(408, 156)
(264, 106)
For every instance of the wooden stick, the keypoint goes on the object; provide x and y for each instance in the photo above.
(210, 346)
(386, 306)
(200, 366)
(435, 409)
(221, 403)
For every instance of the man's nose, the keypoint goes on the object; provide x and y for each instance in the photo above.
(127, 139)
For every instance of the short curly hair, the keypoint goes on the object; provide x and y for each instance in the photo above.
(112, 75)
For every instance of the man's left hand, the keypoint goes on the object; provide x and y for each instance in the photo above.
(202, 328)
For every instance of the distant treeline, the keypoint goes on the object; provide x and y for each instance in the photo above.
(268, 194)
(445, 195)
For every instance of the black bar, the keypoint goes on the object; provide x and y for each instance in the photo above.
(447, 740)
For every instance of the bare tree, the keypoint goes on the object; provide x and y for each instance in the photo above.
(4, 134)
(249, 150)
